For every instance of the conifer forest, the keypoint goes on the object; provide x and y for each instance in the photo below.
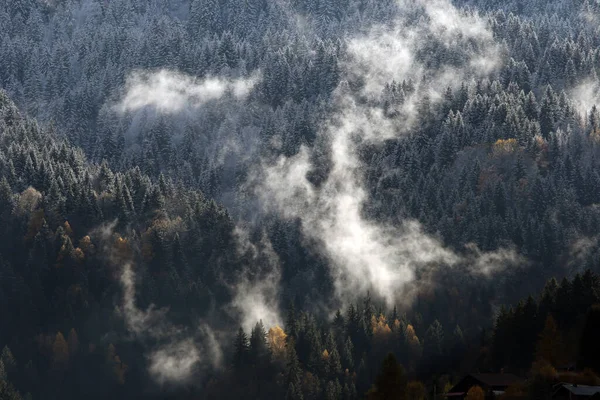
(298, 199)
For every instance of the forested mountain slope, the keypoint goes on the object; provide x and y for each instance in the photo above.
(173, 170)
(73, 72)
(68, 226)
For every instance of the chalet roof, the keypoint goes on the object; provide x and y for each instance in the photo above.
(581, 390)
(497, 380)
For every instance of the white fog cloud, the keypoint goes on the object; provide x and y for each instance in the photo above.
(174, 362)
(178, 353)
(489, 263)
(387, 54)
(139, 321)
(365, 255)
(171, 92)
(256, 291)
(581, 249)
(454, 25)
(586, 95)
(174, 353)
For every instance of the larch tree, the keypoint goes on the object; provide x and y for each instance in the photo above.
(60, 353)
(550, 345)
(475, 393)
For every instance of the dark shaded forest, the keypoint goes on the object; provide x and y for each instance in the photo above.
(300, 199)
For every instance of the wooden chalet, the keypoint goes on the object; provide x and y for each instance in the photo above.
(570, 391)
(493, 385)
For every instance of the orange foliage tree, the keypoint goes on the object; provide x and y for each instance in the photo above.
(504, 147)
(412, 342)
(276, 338)
(415, 390)
(475, 393)
(60, 353)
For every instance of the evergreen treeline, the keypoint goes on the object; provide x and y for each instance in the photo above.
(67, 227)
(510, 161)
(539, 338)
(557, 327)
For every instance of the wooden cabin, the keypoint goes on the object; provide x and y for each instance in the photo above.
(493, 385)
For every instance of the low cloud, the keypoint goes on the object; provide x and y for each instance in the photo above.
(256, 291)
(492, 262)
(364, 254)
(586, 95)
(581, 249)
(174, 362)
(148, 322)
(175, 353)
(170, 92)
(443, 47)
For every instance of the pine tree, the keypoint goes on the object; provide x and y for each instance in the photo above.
(293, 369)
(293, 393)
(258, 350)
(333, 390)
(291, 324)
(390, 382)
(548, 113)
(335, 362)
(241, 350)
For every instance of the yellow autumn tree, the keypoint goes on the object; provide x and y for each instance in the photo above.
(415, 390)
(60, 353)
(447, 387)
(475, 393)
(78, 255)
(413, 347)
(85, 244)
(382, 336)
(380, 328)
(412, 341)
(550, 346)
(276, 339)
(504, 147)
(68, 229)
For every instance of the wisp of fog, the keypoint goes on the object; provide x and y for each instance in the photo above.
(364, 254)
(170, 92)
